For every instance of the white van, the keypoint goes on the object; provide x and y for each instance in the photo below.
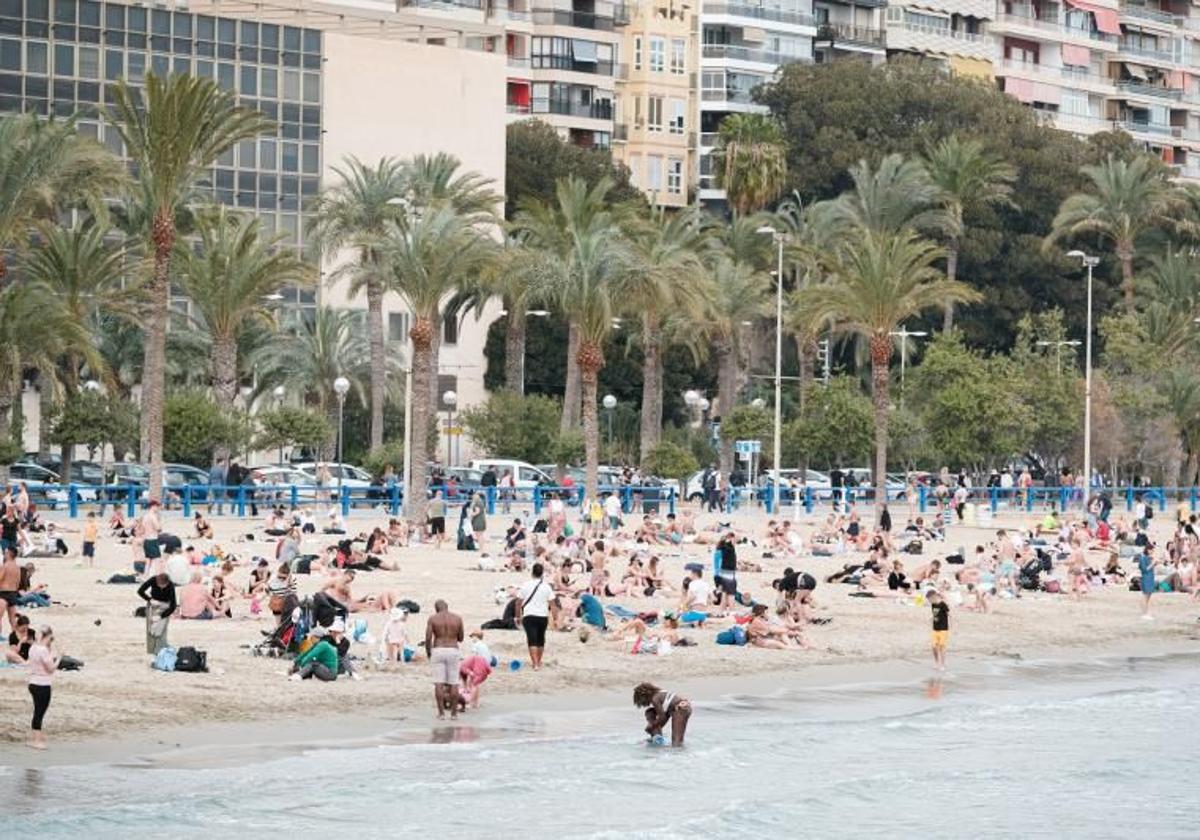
(525, 476)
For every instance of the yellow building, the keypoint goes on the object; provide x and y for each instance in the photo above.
(656, 110)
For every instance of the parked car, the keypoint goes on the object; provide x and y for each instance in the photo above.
(282, 479)
(81, 471)
(525, 476)
(463, 476)
(177, 476)
(124, 472)
(351, 476)
(43, 484)
(894, 488)
(607, 476)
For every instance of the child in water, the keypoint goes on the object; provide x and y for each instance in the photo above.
(662, 706)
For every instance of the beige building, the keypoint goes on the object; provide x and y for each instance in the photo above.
(656, 111)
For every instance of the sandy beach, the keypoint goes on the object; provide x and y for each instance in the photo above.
(118, 697)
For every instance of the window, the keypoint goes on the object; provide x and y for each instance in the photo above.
(1074, 102)
(397, 326)
(926, 22)
(638, 122)
(677, 107)
(10, 54)
(36, 58)
(654, 111)
(678, 53)
(675, 176)
(637, 53)
(654, 172)
(64, 60)
(657, 54)
(450, 329)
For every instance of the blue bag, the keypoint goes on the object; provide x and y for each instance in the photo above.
(164, 660)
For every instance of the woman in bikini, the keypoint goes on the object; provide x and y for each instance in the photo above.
(662, 706)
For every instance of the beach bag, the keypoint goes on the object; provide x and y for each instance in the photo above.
(1052, 586)
(914, 547)
(164, 660)
(409, 606)
(191, 660)
(732, 636)
(69, 663)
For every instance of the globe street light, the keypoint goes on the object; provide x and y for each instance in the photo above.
(341, 386)
(449, 399)
(1090, 263)
(279, 392)
(779, 238)
(609, 402)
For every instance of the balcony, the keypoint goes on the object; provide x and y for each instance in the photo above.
(738, 96)
(1143, 89)
(562, 62)
(593, 111)
(921, 38)
(516, 63)
(708, 139)
(1137, 127)
(1077, 77)
(579, 20)
(445, 5)
(1004, 21)
(1134, 10)
(849, 34)
(736, 53)
(1147, 53)
(518, 108)
(744, 10)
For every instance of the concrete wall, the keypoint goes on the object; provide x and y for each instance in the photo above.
(389, 98)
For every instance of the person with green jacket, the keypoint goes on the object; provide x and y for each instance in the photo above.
(320, 660)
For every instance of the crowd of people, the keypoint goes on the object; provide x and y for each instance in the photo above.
(646, 582)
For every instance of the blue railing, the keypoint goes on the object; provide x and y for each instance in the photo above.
(1062, 498)
(243, 500)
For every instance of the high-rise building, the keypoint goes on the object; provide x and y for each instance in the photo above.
(742, 46)
(849, 29)
(655, 132)
(954, 31)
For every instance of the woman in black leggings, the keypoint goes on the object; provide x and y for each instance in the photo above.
(43, 662)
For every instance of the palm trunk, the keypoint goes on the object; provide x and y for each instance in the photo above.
(6, 428)
(727, 394)
(378, 359)
(435, 362)
(417, 496)
(1126, 257)
(223, 359)
(881, 354)
(952, 274)
(514, 348)
(570, 414)
(154, 355)
(45, 414)
(652, 385)
(591, 360)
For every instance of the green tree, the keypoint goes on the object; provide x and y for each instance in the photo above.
(509, 425)
(834, 426)
(1126, 200)
(229, 278)
(966, 174)
(292, 427)
(750, 161)
(194, 427)
(174, 130)
(746, 422)
(670, 460)
(880, 281)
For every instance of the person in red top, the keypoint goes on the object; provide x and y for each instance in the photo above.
(474, 671)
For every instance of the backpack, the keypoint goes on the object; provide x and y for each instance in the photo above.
(164, 660)
(735, 635)
(191, 660)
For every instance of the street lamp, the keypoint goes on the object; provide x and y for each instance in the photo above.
(279, 392)
(93, 387)
(904, 334)
(1058, 346)
(450, 399)
(609, 402)
(1090, 263)
(341, 386)
(779, 238)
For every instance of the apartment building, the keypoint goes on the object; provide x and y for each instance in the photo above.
(742, 44)
(953, 31)
(655, 132)
(849, 29)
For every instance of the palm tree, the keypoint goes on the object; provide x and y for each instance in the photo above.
(426, 258)
(1126, 199)
(1181, 392)
(507, 277)
(739, 295)
(229, 278)
(750, 161)
(879, 280)
(174, 130)
(355, 212)
(1172, 285)
(85, 276)
(583, 269)
(45, 166)
(896, 194)
(667, 278)
(968, 176)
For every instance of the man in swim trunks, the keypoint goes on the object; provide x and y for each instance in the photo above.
(150, 531)
(10, 584)
(443, 635)
(941, 628)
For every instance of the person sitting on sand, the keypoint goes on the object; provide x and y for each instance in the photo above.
(696, 597)
(320, 660)
(377, 542)
(336, 524)
(661, 707)
(202, 527)
(760, 633)
(277, 523)
(793, 629)
(196, 602)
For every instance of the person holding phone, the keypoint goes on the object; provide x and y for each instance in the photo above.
(43, 662)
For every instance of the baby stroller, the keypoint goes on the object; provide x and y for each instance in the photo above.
(294, 622)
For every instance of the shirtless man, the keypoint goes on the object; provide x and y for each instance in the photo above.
(443, 635)
(10, 584)
(150, 530)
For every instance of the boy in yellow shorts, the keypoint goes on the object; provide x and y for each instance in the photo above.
(941, 628)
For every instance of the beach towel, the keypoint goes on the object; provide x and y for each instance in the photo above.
(620, 612)
(592, 611)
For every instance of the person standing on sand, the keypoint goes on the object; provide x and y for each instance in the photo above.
(533, 613)
(443, 635)
(10, 587)
(159, 594)
(149, 532)
(941, 628)
(1145, 562)
(436, 518)
(42, 664)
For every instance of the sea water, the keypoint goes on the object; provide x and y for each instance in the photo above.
(1105, 749)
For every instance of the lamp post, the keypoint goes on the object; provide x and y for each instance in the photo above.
(407, 437)
(1058, 346)
(609, 402)
(450, 399)
(1090, 263)
(341, 386)
(904, 334)
(279, 392)
(775, 454)
(93, 387)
